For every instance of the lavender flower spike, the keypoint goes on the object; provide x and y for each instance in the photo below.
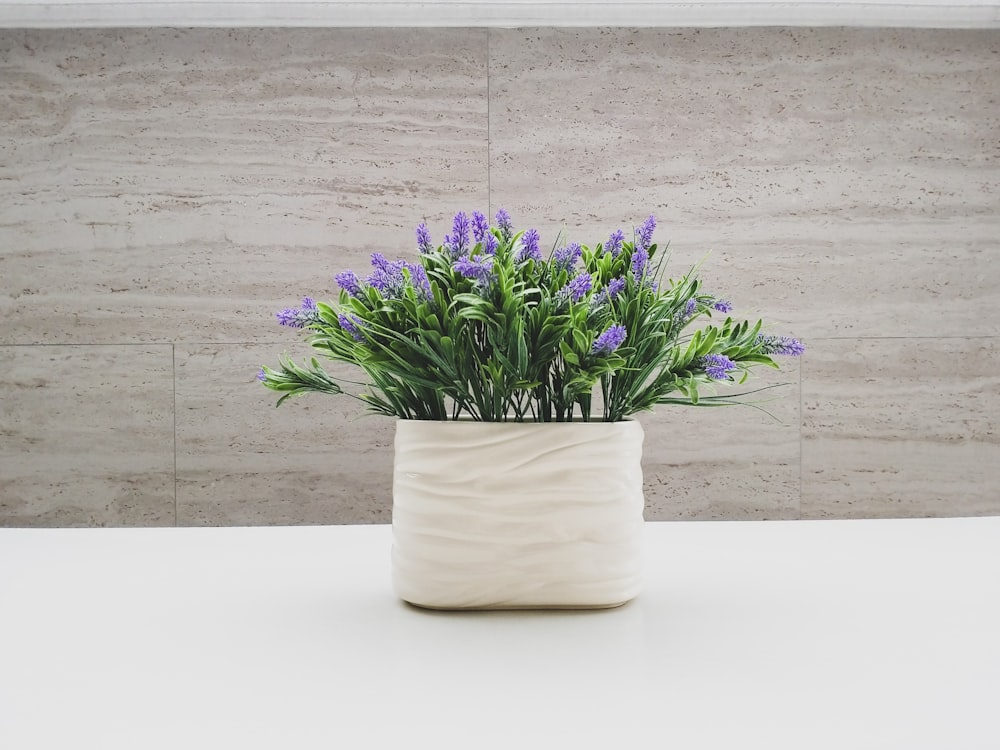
(529, 247)
(644, 235)
(610, 340)
(782, 345)
(261, 375)
(387, 275)
(351, 325)
(349, 282)
(577, 289)
(614, 288)
(718, 366)
(299, 317)
(424, 242)
(566, 257)
(722, 305)
(505, 224)
(640, 258)
(479, 268)
(614, 243)
(480, 226)
(289, 317)
(458, 241)
(418, 277)
(491, 244)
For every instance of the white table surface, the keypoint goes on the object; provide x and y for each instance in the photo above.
(804, 634)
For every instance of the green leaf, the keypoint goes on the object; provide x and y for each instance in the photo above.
(568, 354)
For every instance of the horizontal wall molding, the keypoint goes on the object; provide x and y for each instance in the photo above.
(486, 13)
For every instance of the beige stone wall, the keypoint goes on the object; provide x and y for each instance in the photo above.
(164, 192)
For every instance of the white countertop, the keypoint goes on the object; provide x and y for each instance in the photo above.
(805, 635)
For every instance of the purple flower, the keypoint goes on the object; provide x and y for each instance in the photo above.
(683, 317)
(349, 282)
(783, 345)
(299, 317)
(424, 242)
(480, 226)
(640, 258)
(418, 277)
(491, 244)
(352, 324)
(479, 268)
(505, 224)
(388, 278)
(614, 243)
(577, 289)
(718, 366)
(289, 317)
(690, 308)
(458, 241)
(529, 247)
(566, 257)
(387, 275)
(644, 235)
(611, 290)
(610, 340)
(722, 305)
(261, 376)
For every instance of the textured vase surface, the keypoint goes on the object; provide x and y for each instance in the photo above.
(517, 515)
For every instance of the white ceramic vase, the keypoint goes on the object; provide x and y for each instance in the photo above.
(493, 515)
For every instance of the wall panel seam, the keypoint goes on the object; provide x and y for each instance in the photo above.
(173, 360)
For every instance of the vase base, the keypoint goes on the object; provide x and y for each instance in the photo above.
(517, 607)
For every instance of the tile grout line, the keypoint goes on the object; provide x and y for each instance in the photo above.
(489, 130)
(802, 365)
(173, 365)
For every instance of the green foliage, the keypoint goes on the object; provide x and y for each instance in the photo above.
(503, 336)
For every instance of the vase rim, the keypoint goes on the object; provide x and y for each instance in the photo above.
(416, 426)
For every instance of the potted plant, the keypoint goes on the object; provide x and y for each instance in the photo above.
(514, 376)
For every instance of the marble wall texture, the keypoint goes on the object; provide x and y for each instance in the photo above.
(163, 192)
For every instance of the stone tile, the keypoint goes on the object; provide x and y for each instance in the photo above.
(178, 185)
(732, 462)
(846, 179)
(86, 436)
(317, 459)
(898, 428)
